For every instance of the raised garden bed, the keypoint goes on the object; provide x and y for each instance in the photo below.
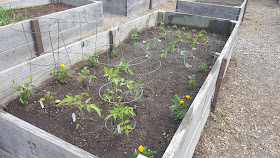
(231, 10)
(20, 44)
(154, 132)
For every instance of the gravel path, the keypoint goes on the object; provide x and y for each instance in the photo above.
(247, 121)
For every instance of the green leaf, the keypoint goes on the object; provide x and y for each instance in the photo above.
(122, 61)
(77, 126)
(122, 128)
(106, 70)
(108, 117)
(87, 100)
(88, 108)
(93, 106)
(126, 121)
(130, 71)
(128, 127)
(115, 116)
(70, 97)
(41, 99)
(132, 113)
(64, 100)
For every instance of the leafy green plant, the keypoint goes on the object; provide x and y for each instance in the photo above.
(155, 42)
(206, 40)
(144, 151)
(136, 90)
(202, 67)
(118, 112)
(188, 36)
(84, 75)
(80, 104)
(114, 50)
(164, 54)
(168, 26)
(134, 37)
(161, 26)
(212, 53)
(183, 28)
(200, 34)
(164, 33)
(193, 49)
(196, 39)
(9, 16)
(184, 53)
(174, 26)
(147, 45)
(203, 31)
(93, 59)
(192, 81)
(61, 73)
(179, 107)
(214, 35)
(25, 91)
(49, 97)
(193, 30)
(173, 45)
(124, 65)
(179, 37)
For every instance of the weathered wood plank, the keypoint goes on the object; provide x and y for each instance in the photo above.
(37, 36)
(25, 140)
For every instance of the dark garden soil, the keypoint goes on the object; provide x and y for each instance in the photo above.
(155, 126)
(37, 11)
(223, 2)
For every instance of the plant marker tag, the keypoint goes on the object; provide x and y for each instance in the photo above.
(42, 105)
(74, 117)
(89, 80)
(119, 127)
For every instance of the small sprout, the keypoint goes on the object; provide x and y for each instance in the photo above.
(196, 39)
(214, 35)
(183, 28)
(114, 51)
(168, 26)
(164, 33)
(202, 67)
(161, 26)
(173, 45)
(206, 40)
(164, 54)
(184, 53)
(134, 37)
(179, 35)
(193, 30)
(200, 34)
(174, 26)
(155, 42)
(212, 53)
(146, 44)
(189, 36)
(192, 81)
(203, 31)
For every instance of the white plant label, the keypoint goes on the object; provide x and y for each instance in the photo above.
(42, 105)
(74, 117)
(119, 127)
(89, 80)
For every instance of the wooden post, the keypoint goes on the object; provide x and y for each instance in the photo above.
(37, 36)
(151, 4)
(245, 10)
(111, 40)
(218, 84)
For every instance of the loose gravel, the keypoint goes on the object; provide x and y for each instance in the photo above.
(247, 121)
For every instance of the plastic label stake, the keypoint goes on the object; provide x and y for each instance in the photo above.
(119, 127)
(74, 117)
(42, 105)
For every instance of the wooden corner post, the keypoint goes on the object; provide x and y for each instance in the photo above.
(37, 36)
(218, 83)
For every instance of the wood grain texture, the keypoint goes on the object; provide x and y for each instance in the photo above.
(27, 141)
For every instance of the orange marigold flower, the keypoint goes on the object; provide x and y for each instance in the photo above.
(141, 148)
(181, 102)
(187, 97)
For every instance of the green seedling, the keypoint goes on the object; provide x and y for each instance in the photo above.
(179, 38)
(200, 34)
(196, 39)
(173, 45)
(118, 112)
(184, 54)
(206, 40)
(214, 35)
(192, 81)
(49, 97)
(193, 30)
(189, 36)
(183, 28)
(77, 100)
(155, 42)
(164, 54)
(174, 26)
(161, 26)
(202, 67)
(147, 45)
(193, 49)
(212, 53)
(114, 51)
(61, 74)
(134, 37)
(84, 75)
(93, 59)
(168, 26)
(25, 91)
(164, 33)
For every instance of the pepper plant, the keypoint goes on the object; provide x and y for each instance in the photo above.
(80, 104)
(192, 81)
(85, 75)
(202, 67)
(49, 97)
(114, 51)
(134, 37)
(155, 42)
(164, 54)
(173, 45)
(118, 112)
(93, 59)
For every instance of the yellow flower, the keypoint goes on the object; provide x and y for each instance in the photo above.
(181, 102)
(22, 85)
(13, 81)
(187, 97)
(62, 65)
(141, 149)
(30, 78)
(176, 95)
(57, 101)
